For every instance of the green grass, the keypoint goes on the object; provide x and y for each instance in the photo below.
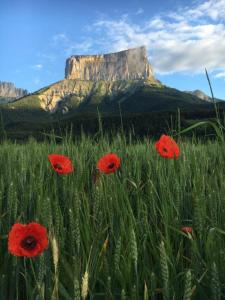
(141, 210)
(118, 238)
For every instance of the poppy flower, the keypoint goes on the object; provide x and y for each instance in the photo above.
(60, 163)
(27, 240)
(108, 163)
(167, 147)
(187, 229)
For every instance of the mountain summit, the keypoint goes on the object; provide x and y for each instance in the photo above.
(8, 92)
(131, 64)
(93, 78)
(121, 82)
(202, 95)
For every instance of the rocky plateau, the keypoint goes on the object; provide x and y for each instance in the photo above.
(107, 74)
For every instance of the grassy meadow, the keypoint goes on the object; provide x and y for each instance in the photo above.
(119, 237)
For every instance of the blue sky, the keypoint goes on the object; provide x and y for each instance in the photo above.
(182, 37)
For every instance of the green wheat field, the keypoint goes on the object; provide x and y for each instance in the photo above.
(119, 237)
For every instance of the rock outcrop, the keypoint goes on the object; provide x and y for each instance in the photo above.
(99, 77)
(60, 91)
(74, 92)
(202, 96)
(8, 90)
(131, 64)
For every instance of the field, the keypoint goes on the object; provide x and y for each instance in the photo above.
(120, 232)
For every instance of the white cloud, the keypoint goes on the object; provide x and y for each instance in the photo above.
(212, 9)
(187, 40)
(220, 75)
(37, 67)
(156, 23)
(65, 45)
(139, 11)
(49, 57)
(81, 47)
(59, 37)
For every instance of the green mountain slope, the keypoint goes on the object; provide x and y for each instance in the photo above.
(69, 98)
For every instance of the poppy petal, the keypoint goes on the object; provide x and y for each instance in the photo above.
(167, 147)
(108, 163)
(60, 163)
(27, 240)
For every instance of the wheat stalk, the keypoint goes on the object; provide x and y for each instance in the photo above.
(84, 288)
(146, 297)
(77, 221)
(164, 270)
(215, 283)
(123, 295)
(187, 289)
(198, 221)
(55, 254)
(76, 289)
(134, 252)
(117, 255)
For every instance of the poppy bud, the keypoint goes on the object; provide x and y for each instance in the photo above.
(187, 229)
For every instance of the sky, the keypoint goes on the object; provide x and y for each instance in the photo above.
(183, 37)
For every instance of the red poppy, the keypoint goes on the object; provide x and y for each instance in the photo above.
(167, 147)
(187, 229)
(108, 163)
(27, 240)
(60, 163)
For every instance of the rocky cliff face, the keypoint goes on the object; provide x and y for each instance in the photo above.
(60, 91)
(8, 90)
(98, 77)
(131, 64)
(72, 92)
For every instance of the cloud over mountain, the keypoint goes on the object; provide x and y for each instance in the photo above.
(187, 40)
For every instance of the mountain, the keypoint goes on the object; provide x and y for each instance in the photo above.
(109, 83)
(8, 92)
(202, 95)
(70, 97)
(131, 64)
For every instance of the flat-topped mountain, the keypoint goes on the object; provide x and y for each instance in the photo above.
(109, 84)
(9, 92)
(99, 77)
(131, 64)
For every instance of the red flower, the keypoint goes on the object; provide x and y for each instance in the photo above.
(60, 163)
(108, 163)
(167, 147)
(27, 240)
(187, 229)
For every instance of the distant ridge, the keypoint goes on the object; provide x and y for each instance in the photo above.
(8, 92)
(201, 95)
(114, 83)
